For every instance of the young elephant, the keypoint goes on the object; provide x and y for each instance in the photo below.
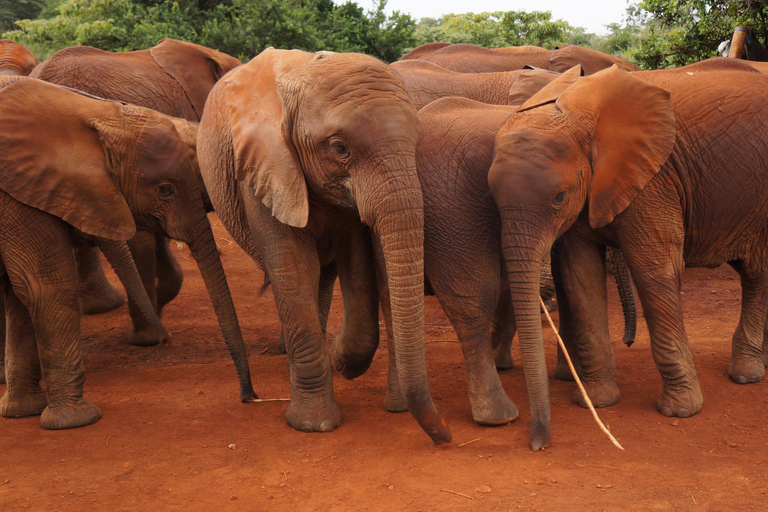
(106, 168)
(16, 59)
(296, 149)
(173, 78)
(667, 165)
(469, 58)
(427, 82)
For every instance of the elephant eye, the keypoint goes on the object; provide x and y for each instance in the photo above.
(559, 199)
(340, 149)
(165, 190)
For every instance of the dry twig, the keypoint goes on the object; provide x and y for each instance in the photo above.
(470, 442)
(578, 380)
(457, 494)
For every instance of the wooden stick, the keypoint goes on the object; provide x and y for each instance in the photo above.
(739, 42)
(470, 442)
(258, 400)
(457, 494)
(578, 380)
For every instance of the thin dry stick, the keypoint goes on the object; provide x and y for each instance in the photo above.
(458, 494)
(257, 400)
(578, 380)
(470, 442)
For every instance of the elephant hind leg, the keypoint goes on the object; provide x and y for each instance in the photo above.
(2, 335)
(503, 331)
(169, 274)
(23, 395)
(97, 295)
(142, 247)
(747, 365)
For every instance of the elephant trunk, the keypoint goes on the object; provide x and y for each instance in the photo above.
(119, 256)
(395, 211)
(524, 252)
(203, 246)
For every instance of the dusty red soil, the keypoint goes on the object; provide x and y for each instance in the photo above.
(174, 435)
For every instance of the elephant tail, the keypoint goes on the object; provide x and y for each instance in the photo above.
(265, 285)
(626, 295)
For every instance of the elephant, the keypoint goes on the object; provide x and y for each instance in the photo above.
(173, 78)
(306, 157)
(105, 169)
(425, 50)
(426, 82)
(636, 161)
(476, 59)
(16, 59)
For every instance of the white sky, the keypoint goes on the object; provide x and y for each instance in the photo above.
(593, 15)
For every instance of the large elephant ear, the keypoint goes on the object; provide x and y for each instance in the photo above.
(633, 136)
(265, 159)
(528, 83)
(53, 157)
(550, 92)
(196, 68)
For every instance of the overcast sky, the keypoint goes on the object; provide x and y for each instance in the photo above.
(593, 15)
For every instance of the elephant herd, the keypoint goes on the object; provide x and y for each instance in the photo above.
(459, 170)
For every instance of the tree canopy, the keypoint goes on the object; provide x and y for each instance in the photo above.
(654, 33)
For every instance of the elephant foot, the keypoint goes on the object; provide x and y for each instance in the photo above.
(602, 394)
(562, 371)
(71, 415)
(27, 404)
(503, 358)
(281, 344)
(100, 299)
(149, 337)
(499, 411)
(306, 419)
(681, 404)
(746, 370)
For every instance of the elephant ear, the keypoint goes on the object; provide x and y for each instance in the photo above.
(58, 161)
(552, 90)
(633, 124)
(194, 67)
(265, 158)
(528, 83)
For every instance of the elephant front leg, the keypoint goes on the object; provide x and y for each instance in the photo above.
(143, 248)
(747, 364)
(328, 275)
(579, 270)
(23, 395)
(657, 270)
(97, 295)
(355, 345)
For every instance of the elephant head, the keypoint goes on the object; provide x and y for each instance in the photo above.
(16, 59)
(196, 68)
(594, 141)
(336, 130)
(109, 168)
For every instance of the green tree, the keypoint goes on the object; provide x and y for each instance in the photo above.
(12, 10)
(684, 31)
(497, 29)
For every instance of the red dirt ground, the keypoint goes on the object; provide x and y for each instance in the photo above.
(174, 435)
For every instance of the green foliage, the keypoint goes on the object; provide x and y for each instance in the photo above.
(242, 28)
(12, 10)
(498, 29)
(684, 31)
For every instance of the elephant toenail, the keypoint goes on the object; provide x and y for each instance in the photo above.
(666, 411)
(306, 426)
(683, 413)
(326, 426)
(741, 379)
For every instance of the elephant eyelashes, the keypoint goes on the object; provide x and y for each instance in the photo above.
(165, 190)
(559, 199)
